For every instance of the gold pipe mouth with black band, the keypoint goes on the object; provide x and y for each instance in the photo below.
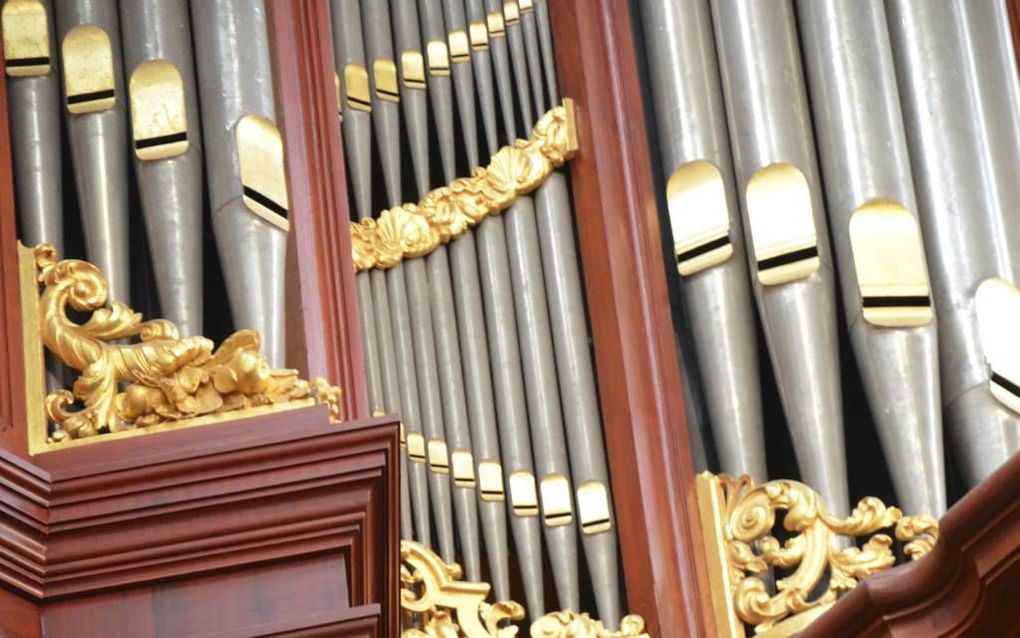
(356, 88)
(263, 180)
(412, 63)
(26, 38)
(88, 70)
(556, 506)
(699, 217)
(159, 122)
(997, 303)
(386, 87)
(523, 494)
(780, 216)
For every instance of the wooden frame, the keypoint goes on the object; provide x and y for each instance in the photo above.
(653, 477)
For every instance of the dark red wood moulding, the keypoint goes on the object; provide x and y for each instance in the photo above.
(969, 585)
(632, 329)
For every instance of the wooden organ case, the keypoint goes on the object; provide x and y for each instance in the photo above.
(287, 523)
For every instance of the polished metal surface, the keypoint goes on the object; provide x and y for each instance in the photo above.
(691, 125)
(963, 230)
(482, 64)
(235, 80)
(34, 109)
(375, 20)
(864, 157)
(99, 143)
(408, 46)
(456, 29)
(433, 34)
(170, 189)
(769, 123)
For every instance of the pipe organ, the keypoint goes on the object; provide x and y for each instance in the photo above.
(833, 185)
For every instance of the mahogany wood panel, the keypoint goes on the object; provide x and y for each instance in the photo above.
(12, 410)
(1014, 19)
(320, 247)
(278, 520)
(969, 585)
(639, 377)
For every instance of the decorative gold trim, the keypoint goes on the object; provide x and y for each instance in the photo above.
(570, 624)
(158, 382)
(414, 230)
(445, 605)
(737, 519)
(435, 603)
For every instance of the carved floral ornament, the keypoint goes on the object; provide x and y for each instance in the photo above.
(436, 604)
(161, 377)
(415, 230)
(737, 520)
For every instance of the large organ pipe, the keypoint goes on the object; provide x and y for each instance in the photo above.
(707, 231)
(517, 471)
(478, 32)
(774, 161)
(167, 146)
(97, 124)
(244, 161)
(541, 385)
(574, 367)
(376, 329)
(963, 234)
(877, 240)
(33, 106)
(460, 66)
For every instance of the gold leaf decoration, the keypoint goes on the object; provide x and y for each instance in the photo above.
(738, 519)
(447, 212)
(161, 377)
(568, 624)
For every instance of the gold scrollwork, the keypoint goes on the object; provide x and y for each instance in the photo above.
(738, 518)
(414, 230)
(435, 603)
(160, 379)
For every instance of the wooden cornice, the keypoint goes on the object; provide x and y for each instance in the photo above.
(969, 585)
(186, 504)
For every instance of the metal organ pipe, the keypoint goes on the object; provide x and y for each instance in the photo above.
(95, 99)
(963, 235)
(788, 251)
(706, 224)
(167, 146)
(877, 240)
(244, 161)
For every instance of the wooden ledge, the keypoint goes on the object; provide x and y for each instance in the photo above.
(968, 585)
(285, 507)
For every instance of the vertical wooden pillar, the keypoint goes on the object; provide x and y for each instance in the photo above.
(632, 329)
(323, 291)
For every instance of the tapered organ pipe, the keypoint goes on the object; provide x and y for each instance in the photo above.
(511, 12)
(470, 318)
(963, 238)
(167, 147)
(412, 326)
(34, 108)
(238, 115)
(694, 145)
(876, 238)
(95, 99)
(541, 384)
(512, 481)
(575, 371)
(545, 40)
(478, 32)
(356, 105)
(784, 219)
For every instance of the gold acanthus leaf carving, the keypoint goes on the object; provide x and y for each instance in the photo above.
(748, 516)
(447, 212)
(158, 379)
(568, 624)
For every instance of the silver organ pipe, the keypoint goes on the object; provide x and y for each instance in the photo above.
(788, 248)
(877, 239)
(244, 162)
(95, 102)
(706, 225)
(31, 50)
(167, 144)
(963, 232)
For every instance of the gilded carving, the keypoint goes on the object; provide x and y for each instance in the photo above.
(158, 379)
(447, 212)
(569, 624)
(739, 516)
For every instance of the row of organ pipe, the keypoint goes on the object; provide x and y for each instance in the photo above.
(871, 143)
(482, 345)
(186, 96)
